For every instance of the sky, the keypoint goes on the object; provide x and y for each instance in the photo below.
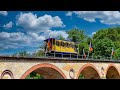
(27, 30)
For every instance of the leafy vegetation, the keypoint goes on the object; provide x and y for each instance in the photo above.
(104, 40)
(76, 35)
(81, 76)
(60, 37)
(34, 75)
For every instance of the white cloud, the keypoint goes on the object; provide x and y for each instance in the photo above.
(4, 13)
(32, 23)
(93, 33)
(36, 29)
(89, 19)
(105, 17)
(8, 25)
(18, 40)
(36, 37)
(30, 39)
(69, 13)
(55, 34)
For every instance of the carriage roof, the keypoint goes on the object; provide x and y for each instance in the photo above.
(60, 40)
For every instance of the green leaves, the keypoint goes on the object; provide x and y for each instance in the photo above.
(76, 35)
(81, 76)
(60, 37)
(103, 47)
(117, 54)
(105, 39)
(34, 75)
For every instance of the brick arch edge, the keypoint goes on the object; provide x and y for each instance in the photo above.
(41, 66)
(84, 66)
(7, 72)
(111, 65)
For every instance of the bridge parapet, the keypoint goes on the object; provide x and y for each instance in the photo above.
(20, 58)
(67, 67)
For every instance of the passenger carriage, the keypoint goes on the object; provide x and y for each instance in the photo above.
(60, 47)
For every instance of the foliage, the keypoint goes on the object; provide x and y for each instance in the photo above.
(105, 39)
(76, 35)
(22, 53)
(39, 53)
(85, 46)
(60, 37)
(81, 76)
(117, 53)
(103, 47)
(34, 75)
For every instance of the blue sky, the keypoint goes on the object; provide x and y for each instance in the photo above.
(26, 30)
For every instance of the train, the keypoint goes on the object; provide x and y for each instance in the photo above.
(60, 47)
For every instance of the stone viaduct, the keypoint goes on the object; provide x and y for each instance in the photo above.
(57, 68)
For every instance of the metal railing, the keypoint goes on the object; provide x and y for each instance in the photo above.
(81, 57)
(69, 56)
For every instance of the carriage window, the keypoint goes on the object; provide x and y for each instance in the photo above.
(63, 44)
(73, 46)
(53, 41)
(68, 45)
(57, 43)
(60, 43)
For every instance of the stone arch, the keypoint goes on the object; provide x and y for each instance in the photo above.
(112, 72)
(90, 70)
(7, 72)
(43, 66)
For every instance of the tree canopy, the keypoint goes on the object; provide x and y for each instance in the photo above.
(76, 35)
(105, 39)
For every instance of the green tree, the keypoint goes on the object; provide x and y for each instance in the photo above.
(103, 47)
(60, 37)
(117, 54)
(22, 53)
(81, 76)
(39, 53)
(85, 46)
(100, 34)
(34, 75)
(76, 35)
(109, 37)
